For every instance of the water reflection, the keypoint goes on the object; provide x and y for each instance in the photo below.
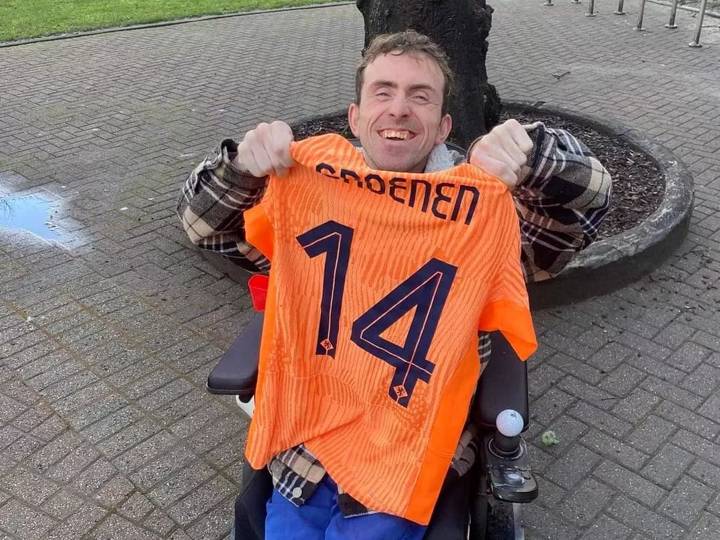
(29, 213)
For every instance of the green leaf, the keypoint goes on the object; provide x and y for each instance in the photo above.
(549, 438)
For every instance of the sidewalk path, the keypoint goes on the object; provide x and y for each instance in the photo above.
(105, 428)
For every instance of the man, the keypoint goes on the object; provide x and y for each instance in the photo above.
(400, 118)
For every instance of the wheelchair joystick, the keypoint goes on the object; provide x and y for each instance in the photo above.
(506, 442)
(506, 461)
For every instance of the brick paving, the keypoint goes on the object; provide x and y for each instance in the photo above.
(105, 428)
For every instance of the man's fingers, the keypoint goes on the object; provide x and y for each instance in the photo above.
(266, 149)
(512, 150)
(504, 152)
(262, 160)
(496, 147)
(513, 138)
(246, 161)
(281, 160)
(279, 140)
(280, 154)
(511, 158)
(497, 168)
(520, 136)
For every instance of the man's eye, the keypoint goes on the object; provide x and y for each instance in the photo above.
(383, 93)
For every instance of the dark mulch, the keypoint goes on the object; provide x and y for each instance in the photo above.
(638, 184)
(324, 124)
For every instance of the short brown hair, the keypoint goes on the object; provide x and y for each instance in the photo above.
(411, 42)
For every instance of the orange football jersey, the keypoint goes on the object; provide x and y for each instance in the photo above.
(379, 284)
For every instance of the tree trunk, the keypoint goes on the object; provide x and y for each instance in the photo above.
(461, 28)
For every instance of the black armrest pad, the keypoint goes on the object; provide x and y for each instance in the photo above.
(503, 385)
(236, 373)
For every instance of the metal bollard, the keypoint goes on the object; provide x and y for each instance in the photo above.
(698, 27)
(639, 27)
(591, 9)
(619, 10)
(673, 11)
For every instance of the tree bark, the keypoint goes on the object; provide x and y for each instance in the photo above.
(461, 28)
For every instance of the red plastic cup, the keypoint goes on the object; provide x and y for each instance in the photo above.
(258, 286)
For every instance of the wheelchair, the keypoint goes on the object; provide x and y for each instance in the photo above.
(484, 503)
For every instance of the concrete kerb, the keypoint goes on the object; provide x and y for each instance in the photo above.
(57, 37)
(612, 263)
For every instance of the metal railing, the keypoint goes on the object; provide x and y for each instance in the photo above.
(641, 15)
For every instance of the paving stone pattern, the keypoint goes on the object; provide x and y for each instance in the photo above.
(105, 428)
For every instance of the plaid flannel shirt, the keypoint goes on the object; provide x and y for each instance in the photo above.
(560, 205)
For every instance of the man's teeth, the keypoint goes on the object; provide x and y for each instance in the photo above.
(393, 134)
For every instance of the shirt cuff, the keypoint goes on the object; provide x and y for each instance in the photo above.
(233, 174)
(536, 132)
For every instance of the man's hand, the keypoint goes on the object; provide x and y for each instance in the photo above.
(503, 152)
(266, 150)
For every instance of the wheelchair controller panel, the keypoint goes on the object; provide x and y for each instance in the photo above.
(506, 459)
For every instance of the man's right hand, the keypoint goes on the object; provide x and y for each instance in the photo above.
(266, 150)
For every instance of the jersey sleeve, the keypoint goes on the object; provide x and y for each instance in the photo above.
(258, 223)
(507, 307)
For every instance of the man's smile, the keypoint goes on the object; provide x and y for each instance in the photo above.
(396, 134)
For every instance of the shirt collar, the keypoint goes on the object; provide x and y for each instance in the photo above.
(440, 159)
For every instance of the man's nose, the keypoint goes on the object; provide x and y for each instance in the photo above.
(399, 106)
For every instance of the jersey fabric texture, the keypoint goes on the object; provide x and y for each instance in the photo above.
(379, 284)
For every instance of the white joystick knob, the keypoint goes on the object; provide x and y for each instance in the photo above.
(510, 423)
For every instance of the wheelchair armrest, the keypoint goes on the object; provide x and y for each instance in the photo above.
(503, 385)
(236, 373)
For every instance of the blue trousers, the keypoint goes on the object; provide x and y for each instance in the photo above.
(320, 519)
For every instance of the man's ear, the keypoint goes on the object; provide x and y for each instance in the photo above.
(445, 128)
(353, 111)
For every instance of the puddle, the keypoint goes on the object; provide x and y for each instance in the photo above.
(29, 213)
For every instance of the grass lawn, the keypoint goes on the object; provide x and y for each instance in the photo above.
(32, 18)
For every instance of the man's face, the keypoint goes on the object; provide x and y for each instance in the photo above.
(399, 119)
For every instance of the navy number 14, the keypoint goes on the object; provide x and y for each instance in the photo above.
(426, 291)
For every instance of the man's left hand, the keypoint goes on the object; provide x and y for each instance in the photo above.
(503, 152)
